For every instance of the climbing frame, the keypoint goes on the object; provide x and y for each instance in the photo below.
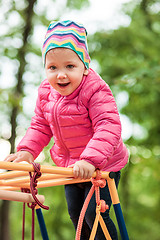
(18, 178)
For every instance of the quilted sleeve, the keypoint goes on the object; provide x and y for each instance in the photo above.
(38, 134)
(106, 126)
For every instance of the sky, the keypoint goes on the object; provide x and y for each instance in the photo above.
(101, 14)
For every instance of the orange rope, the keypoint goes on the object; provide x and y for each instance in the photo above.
(101, 207)
(83, 211)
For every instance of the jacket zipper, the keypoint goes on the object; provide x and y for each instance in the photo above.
(59, 131)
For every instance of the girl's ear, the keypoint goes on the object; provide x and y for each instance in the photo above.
(86, 72)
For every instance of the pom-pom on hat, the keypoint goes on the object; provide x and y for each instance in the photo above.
(67, 34)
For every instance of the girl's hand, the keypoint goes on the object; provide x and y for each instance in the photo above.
(20, 157)
(83, 169)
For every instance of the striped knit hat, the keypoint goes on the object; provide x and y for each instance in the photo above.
(67, 34)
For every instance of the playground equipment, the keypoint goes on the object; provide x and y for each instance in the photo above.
(24, 177)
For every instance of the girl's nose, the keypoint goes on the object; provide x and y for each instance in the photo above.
(61, 75)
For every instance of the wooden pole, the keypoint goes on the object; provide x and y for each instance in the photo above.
(44, 169)
(19, 196)
(42, 184)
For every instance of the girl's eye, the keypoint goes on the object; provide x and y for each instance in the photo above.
(52, 67)
(70, 66)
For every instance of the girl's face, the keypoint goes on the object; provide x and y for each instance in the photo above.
(64, 70)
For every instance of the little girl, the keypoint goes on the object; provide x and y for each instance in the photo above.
(77, 108)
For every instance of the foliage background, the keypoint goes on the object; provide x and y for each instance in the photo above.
(128, 59)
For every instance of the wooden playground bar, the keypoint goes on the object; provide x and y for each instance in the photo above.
(19, 196)
(44, 169)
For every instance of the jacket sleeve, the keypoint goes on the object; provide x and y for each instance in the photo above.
(38, 134)
(106, 127)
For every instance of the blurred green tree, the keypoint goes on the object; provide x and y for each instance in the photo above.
(128, 59)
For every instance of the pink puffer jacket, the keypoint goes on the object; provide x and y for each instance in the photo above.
(85, 125)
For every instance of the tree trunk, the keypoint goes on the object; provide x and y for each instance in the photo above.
(18, 94)
(144, 7)
(4, 227)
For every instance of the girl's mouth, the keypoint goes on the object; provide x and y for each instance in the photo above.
(63, 85)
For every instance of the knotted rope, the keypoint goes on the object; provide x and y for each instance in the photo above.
(33, 184)
(98, 183)
(33, 190)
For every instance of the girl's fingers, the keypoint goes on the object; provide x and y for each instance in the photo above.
(71, 166)
(83, 170)
(10, 158)
(20, 156)
(76, 171)
(81, 173)
(19, 159)
(86, 174)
